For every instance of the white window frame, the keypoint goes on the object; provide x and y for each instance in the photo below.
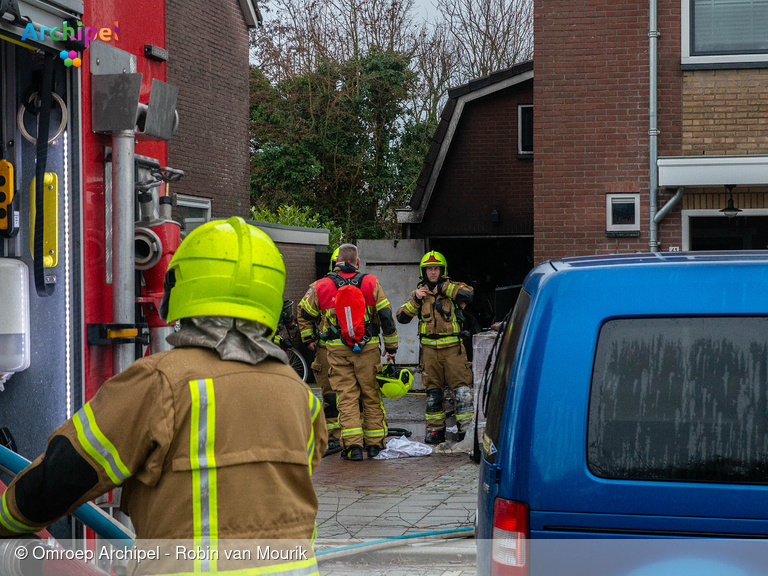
(195, 202)
(520, 151)
(609, 225)
(724, 60)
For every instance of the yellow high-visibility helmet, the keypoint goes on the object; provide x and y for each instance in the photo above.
(433, 259)
(394, 383)
(334, 257)
(225, 268)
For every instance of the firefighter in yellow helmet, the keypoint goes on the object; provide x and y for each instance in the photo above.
(215, 439)
(311, 328)
(439, 305)
(354, 367)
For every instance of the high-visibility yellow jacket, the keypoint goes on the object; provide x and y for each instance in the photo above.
(204, 449)
(439, 326)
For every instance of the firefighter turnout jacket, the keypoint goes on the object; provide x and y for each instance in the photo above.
(204, 449)
(439, 323)
(310, 332)
(311, 325)
(379, 317)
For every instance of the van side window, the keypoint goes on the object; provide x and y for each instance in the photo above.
(497, 394)
(680, 399)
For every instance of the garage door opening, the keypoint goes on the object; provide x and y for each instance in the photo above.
(748, 232)
(494, 267)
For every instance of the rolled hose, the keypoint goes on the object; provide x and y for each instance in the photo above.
(352, 549)
(89, 514)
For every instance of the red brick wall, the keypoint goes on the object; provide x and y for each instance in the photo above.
(300, 269)
(591, 119)
(208, 60)
(481, 172)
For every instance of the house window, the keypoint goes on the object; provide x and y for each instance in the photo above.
(192, 211)
(724, 32)
(622, 216)
(525, 130)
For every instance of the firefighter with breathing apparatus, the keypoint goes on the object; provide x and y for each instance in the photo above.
(439, 303)
(357, 313)
(215, 439)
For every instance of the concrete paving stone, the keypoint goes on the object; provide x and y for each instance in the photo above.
(383, 498)
(469, 499)
(424, 499)
(361, 510)
(414, 506)
(410, 512)
(376, 532)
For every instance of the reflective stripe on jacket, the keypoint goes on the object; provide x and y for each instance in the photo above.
(438, 329)
(204, 449)
(379, 313)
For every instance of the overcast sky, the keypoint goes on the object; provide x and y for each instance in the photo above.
(424, 8)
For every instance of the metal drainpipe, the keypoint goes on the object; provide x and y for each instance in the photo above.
(123, 260)
(668, 206)
(652, 130)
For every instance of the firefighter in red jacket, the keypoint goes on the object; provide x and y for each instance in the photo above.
(353, 372)
(438, 303)
(310, 335)
(215, 439)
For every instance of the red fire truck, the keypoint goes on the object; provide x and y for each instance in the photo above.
(85, 208)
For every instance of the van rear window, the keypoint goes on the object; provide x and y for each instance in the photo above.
(680, 399)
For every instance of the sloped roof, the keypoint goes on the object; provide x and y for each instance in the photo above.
(251, 12)
(449, 119)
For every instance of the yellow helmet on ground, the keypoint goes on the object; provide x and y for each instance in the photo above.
(394, 383)
(433, 259)
(334, 257)
(225, 268)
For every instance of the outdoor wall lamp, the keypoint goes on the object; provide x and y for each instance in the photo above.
(495, 216)
(730, 211)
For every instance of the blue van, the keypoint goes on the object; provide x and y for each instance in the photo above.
(629, 400)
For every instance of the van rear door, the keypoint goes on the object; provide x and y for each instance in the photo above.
(664, 433)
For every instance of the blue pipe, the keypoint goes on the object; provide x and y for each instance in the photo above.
(89, 514)
(392, 539)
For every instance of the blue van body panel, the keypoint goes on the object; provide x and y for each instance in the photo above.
(542, 454)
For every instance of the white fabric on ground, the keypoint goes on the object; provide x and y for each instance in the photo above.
(403, 448)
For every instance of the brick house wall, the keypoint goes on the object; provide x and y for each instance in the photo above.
(300, 270)
(725, 112)
(591, 120)
(482, 172)
(207, 46)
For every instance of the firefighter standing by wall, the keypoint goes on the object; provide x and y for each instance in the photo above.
(438, 303)
(310, 335)
(353, 373)
(214, 439)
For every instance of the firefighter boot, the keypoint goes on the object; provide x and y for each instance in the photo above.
(435, 437)
(464, 409)
(435, 413)
(373, 451)
(354, 452)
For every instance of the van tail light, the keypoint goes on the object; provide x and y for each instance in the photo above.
(509, 548)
